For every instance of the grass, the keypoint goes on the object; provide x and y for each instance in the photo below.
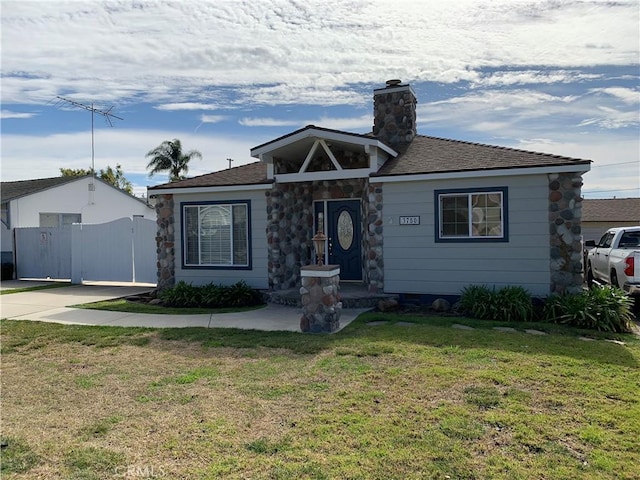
(33, 289)
(122, 305)
(422, 400)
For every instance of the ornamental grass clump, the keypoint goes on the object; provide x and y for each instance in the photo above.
(508, 304)
(608, 309)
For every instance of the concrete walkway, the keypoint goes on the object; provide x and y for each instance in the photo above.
(52, 305)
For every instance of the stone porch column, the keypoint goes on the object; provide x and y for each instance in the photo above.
(321, 307)
(165, 241)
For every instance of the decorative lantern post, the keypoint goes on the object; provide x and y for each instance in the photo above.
(319, 240)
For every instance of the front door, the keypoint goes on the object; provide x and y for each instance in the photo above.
(344, 238)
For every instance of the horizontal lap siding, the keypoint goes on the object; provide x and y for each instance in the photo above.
(257, 276)
(415, 263)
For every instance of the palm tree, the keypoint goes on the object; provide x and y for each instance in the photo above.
(168, 157)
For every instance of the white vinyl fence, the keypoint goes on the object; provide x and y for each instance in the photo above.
(123, 250)
(43, 252)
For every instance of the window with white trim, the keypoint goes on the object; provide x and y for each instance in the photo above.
(216, 235)
(471, 215)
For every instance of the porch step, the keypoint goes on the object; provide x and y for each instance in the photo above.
(351, 296)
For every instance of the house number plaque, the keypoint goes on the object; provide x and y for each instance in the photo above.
(415, 220)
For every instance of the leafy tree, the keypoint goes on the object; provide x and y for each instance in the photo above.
(75, 172)
(168, 157)
(116, 178)
(110, 175)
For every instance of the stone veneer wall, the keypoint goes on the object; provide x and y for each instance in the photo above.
(289, 232)
(374, 239)
(165, 241)
(565, 214)
(290, 228)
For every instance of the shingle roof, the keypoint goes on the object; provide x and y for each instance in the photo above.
(437, 155)
(20, 188)
(424, 155)
(251, 174)
(611, 210)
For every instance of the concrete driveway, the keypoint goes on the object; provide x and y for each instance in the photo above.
(16, 305)
(52, 305)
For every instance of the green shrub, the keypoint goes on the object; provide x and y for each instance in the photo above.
(608, 309)
(476, 300)
(182, 294)
(508, 304)
(241, 294)
(512, 304)
(185, 295)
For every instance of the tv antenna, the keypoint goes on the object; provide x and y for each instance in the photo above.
(104, 113)
(229, 160)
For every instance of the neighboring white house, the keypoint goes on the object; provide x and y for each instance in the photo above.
(405, 213)
(59, 201)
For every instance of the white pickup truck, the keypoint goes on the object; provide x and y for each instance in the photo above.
(615, 259)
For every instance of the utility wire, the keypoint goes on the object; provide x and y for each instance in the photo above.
(614, 164)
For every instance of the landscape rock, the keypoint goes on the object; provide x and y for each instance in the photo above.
(441, 305)
(388, 305)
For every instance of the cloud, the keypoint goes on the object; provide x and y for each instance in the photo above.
(173, 53)
(186, 106)
(534, 77)
(347, 123)
(524, 112)
(627, 95)
(616, 161)
(268, 122)
(212, 118)
(7, 114)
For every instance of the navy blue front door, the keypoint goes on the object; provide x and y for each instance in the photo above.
(344, 232)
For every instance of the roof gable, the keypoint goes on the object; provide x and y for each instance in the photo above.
(319, 132)
(316, 153)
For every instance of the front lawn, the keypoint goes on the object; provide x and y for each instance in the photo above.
(412, 398)
(124, 305)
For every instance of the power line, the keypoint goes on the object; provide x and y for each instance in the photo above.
(614, 190)
(614, 164)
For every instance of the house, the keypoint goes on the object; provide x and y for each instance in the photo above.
(598, 215)
(404, 213)
(59, 201)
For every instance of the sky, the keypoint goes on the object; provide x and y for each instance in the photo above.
(223, 76)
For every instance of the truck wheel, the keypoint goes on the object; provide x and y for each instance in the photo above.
(614, 279)
(589, 277)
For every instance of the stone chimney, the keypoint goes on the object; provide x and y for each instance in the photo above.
(394, 113)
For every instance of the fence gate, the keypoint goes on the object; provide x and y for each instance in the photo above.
(43, 252)
(123, 250)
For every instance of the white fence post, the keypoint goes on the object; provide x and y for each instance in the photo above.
(76, 253)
